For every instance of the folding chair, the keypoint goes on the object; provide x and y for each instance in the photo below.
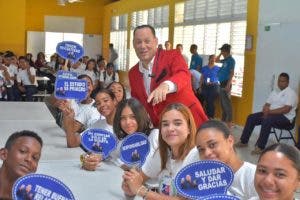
(287, 129)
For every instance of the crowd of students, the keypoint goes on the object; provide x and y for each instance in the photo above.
(18, 75)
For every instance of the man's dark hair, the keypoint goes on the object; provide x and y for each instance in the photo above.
(179, 45)
(194, 46)
(23, 58)
(144, 26)
(25, 133)
(111, 45)
(8, 54)
(285, 75)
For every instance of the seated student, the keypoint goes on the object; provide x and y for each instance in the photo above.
(130, 117)
(278, 111)
(91, 71)
(118, 89)
(106, 105)
(20, 156)
(277, 174)
(176, 150)
(26, 80)
(109, 75)
(13, 71)
(79, 116)
(75, 67)
(214, 142)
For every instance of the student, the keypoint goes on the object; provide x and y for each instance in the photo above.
(277, 174)
(77, 117)
(106, 104)
(214, 142)
(176, 150)
(26, 79)
(91, 71)
(118, 89)
(109, 75)
(130, 117)
(20, 156)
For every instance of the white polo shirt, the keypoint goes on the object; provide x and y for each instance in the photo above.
(286, 97)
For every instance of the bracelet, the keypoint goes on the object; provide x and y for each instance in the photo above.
(138, 191)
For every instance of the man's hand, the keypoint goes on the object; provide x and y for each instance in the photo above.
(266, 110)
(159, 94)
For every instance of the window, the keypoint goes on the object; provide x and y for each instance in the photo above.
(53, 38)
(118, 37)
(156, 17)
(211, 23)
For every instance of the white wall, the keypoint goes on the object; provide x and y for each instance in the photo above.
(278, 50)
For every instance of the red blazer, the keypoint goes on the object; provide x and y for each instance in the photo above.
(168, 65)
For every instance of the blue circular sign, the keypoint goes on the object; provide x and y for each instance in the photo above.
(99, 141)
(219, 197)
(134, 149)
(203, 178)
(70, 50)
(39, 186)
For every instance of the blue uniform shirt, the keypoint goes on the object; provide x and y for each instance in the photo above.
(211, 73)
(196, 61)
(227, 66)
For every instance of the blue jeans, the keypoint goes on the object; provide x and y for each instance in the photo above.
(267, 123)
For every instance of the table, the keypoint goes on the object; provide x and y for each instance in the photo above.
(36, 111)
(57, 160)
(104, 183)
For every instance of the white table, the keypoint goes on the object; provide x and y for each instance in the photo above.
(55, 145)
(37, 111)
(104, 183)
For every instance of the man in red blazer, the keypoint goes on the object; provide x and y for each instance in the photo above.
(161, 77)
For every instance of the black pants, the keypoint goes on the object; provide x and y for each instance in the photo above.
(256, 119)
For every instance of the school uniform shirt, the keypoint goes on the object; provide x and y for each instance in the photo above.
(152, 169)
(23, 77)
(243, 182)
(86, 114)
(108, 78)
(92, 74)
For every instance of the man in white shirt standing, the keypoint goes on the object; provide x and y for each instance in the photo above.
(26, 80)
(279, 111)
